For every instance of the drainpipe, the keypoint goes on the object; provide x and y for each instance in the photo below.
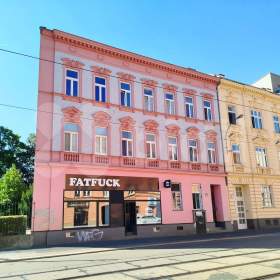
(223, 148)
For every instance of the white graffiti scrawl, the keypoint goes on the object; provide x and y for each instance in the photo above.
(89, 235)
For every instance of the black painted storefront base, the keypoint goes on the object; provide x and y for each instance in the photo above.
(89, 235)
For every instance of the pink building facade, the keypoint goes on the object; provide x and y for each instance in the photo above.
(126, 146)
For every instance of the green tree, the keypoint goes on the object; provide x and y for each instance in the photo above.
(11, 186)
(14, 151)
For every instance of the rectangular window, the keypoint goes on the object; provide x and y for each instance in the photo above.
(211, 153)
(276, 124)
(266, 196)
(172, 148)
(189, 107)
(103, 213)
(256, 119)
(196, 196)
(90, 210)
(207, 110)
(148, 100)
(125, 94)
(193, 151)
(127, 144)
(101, 135)
(148, 212)
(236, 154)
(261, 157)
(176, 197)
(231, 115)
(148, 208)
(100, 89)
(71, 137)
(72, 82)
(170, 103)
(151, 146)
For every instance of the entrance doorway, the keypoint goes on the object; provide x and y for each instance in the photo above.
(130, 218)
(240, 209)
(217, 206)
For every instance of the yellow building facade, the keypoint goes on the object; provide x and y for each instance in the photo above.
(251, 139)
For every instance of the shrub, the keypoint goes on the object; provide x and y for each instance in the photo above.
(10, 225)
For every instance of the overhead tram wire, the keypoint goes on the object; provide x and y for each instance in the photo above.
(129, 80)
(60, 114)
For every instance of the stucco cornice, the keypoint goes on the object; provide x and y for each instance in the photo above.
(230, 85)
(129, 56)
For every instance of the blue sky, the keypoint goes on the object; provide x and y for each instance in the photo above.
(237, 38)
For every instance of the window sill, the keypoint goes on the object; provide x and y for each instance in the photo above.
(125, 108)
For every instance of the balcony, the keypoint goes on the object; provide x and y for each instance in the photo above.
(133, 162)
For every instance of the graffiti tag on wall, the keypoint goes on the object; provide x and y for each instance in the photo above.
(89, 235)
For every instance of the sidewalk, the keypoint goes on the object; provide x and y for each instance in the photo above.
(103, 246)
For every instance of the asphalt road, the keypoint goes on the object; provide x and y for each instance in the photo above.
(230, 257)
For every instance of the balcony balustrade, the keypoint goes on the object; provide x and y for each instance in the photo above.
(132, 162)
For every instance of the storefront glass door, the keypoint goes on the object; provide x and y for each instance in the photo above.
(130, 217)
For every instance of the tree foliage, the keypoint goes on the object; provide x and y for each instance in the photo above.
(14, 151)
(11, 186)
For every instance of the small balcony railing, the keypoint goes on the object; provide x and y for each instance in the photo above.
(129, 161)
(118, 161)
(72, 157)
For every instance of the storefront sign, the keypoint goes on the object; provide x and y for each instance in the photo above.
(92, 182)
(167, 183)
(98, 182)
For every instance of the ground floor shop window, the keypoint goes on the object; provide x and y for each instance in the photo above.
(176, 196)
(91, 209)
(148, 207)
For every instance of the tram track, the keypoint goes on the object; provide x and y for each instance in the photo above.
(137, 268)
(187, 273)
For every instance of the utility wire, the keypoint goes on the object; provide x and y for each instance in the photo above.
(132, 81)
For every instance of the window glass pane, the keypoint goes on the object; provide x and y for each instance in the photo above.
(103, 94)
(123, 98)
(68, 87)
(138, 195)
(74, 147)
(169, 96)
(125, 86)
(79, 214)
(129, 148)
(148, 212)
(148, 92)
(75, 88)
(101, 131)
(211, 146)
(128, 100)
(124, 148)
(150, 137)
(67, 141)
(188, 99)
(97, 93)
(126, 134)
(103, 214)
(72, 74)
(100, 81)
(71, 127)
(207, 104)
(172, 140)
(176, 197)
